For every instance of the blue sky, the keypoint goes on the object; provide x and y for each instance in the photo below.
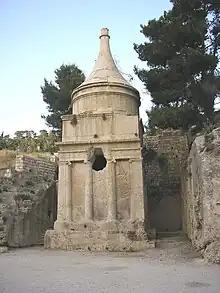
(36, 37)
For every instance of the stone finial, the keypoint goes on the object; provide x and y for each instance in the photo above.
(104, 33)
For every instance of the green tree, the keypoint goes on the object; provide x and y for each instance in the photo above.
(3, 141)
(57, 95)
(46, 141)
(182, 55)
(29, 142)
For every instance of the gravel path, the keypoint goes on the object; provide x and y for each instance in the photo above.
(37, 270)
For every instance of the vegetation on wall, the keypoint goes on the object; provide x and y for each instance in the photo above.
(182, 52)
(29, 142)
(57, 96)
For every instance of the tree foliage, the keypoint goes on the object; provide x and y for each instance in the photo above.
(182, 55)
(29, 142)
(57, 95)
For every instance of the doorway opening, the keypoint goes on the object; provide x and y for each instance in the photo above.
(98, 160)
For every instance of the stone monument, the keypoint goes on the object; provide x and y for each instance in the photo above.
(100, 187)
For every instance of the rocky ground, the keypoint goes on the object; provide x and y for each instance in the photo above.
(170, 268)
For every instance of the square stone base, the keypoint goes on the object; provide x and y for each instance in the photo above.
(98, 237)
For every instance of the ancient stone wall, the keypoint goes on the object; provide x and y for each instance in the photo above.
(28, 202)
(42, 167)
(200, 183)
(163, 155)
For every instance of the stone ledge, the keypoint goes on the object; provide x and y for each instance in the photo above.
(96, 141)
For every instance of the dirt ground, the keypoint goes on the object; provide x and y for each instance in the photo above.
(173, 270)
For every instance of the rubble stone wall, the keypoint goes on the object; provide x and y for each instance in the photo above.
(163, 155)
(42, 167)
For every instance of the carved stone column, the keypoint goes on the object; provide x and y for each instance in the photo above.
(64, 206)
(89, 192)
(112, 196)
(61, 194)
(137, 192)
(68, 192)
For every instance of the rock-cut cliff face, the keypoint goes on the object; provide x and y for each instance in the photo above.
(201, 195)
(28, 203)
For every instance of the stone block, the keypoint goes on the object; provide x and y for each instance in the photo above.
(94, 241)
(3, 249)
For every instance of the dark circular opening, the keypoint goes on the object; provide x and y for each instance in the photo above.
(99, 163)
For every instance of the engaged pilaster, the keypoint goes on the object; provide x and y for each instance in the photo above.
(64, 209)
(61, 193)
(89, 193)
(68, 188)
(112, 203)
(137, 193)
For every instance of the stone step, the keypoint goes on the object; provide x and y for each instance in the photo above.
(171, 240)
(160, 235)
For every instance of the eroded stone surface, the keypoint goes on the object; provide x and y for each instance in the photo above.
(212, 252)
(201, 195)
(27, 202)
(104, 236)
(3, 249)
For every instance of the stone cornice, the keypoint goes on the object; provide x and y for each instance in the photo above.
(101, 141)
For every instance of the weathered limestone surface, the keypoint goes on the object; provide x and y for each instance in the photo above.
(27, 203)
(201, 194)
(96, 236)
(101, 208)
(28, 222)
(3, 249)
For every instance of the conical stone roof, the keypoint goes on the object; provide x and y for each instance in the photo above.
(105, 70)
